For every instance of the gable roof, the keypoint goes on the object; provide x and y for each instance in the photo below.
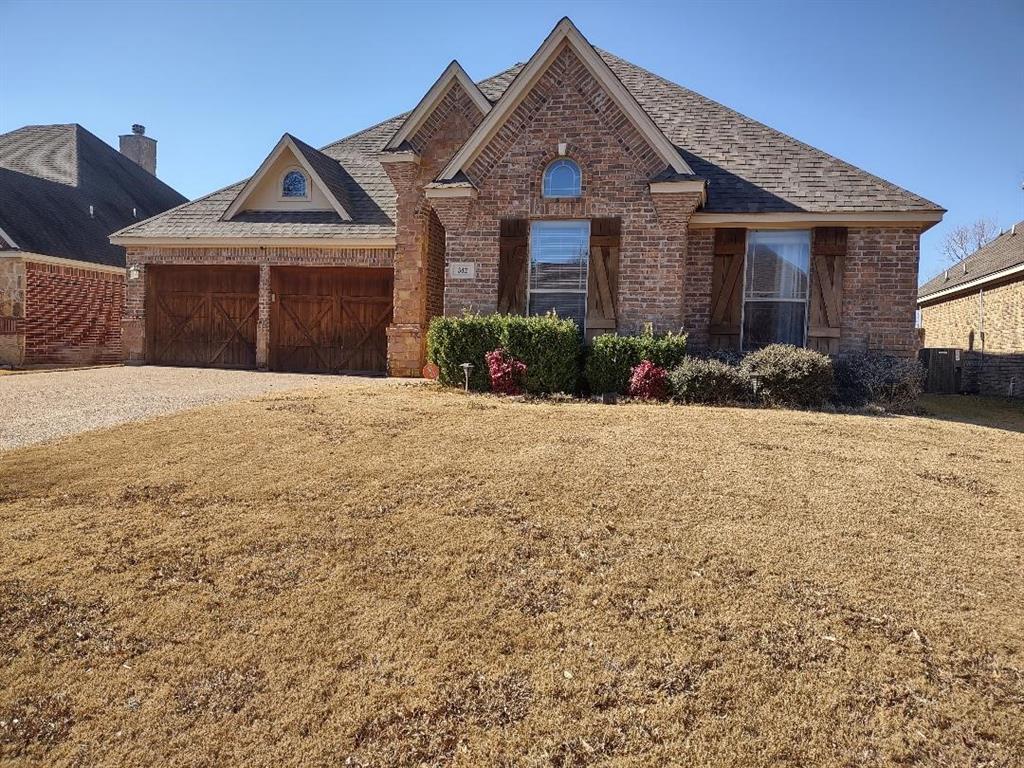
(990, 262)
(452, 73)
(749, 168)
(328, 176)
(565, 33)
(50, 175)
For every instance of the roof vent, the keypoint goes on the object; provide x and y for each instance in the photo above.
(965, 266)
(92, 213)
(139, 129)
(945, 276)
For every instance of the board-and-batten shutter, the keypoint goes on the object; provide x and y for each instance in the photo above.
(603, 276)
(828, 257)
(727, 288)
(513, 264)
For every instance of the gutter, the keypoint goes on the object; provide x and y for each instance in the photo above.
(975, 283)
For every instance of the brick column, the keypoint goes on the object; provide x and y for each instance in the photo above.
(479, 247)
(263, 320)
(671, 306)
(407, 332)
(133, 320)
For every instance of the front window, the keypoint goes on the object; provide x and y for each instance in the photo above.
(293, 184)
(775, 288)
(563, 179)
(559, 259)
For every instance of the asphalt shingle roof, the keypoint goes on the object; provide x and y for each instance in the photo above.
(1004, 252)
(51, 174)
(750, 168)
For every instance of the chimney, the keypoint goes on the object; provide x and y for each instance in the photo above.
(141, 149)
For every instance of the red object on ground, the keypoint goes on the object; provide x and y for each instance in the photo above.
(507, 373)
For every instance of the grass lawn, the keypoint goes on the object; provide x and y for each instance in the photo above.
(393, 575)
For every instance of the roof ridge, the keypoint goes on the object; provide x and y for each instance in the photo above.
(767, 127)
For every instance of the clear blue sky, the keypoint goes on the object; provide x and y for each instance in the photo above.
(929, 95)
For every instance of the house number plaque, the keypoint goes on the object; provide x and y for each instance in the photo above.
(462, 269)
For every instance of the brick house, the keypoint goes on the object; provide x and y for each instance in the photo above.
(577, 182)
(978, 307)
(63, 191)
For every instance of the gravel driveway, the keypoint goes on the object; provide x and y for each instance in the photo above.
(37, 407)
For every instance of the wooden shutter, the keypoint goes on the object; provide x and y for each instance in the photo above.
(513, 261)
(727, 288)
(603, 276)
(828, 256)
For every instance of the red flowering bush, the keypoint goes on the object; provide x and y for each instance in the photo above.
(649, 382)
(508, 375)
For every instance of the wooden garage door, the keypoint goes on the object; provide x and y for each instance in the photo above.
(202, 316)
(330, 319)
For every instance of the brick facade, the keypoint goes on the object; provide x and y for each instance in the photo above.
(988, 324)
(59, 314)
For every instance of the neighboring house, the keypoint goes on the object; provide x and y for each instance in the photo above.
(63, 192)
(577, 182)
(978, 306)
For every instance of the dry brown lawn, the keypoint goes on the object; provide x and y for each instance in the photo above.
(376, 576)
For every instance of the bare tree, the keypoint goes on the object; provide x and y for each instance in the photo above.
(964, 240)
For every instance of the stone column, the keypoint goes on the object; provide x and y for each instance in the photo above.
(133, 319)
(263, 320)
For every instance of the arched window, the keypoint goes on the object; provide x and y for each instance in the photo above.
(293, 184)
(562, 179)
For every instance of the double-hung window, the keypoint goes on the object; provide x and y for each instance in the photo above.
(559, 259)
(775, 288)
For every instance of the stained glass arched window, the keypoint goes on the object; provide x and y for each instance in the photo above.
(293, 184)
(562, 179)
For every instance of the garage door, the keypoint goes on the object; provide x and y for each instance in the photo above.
(330, 319)
(202, 316)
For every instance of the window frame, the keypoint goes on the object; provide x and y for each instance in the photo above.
(282, 197)
(529, 268)
(806, 301)
(544, 180)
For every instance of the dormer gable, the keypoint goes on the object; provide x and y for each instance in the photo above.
(453, 77)
(564, 36)
(294, 177)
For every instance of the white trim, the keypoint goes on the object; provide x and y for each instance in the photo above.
(450, 191)
(975, 283)
(806, 301)
(7, 238)
(529, 268)
(280, 186)
(285, 143)
(453, 72)
(255, 241)
(564, 34)
(704, 220)
(405, 156)
(42, 258)
(682, 185)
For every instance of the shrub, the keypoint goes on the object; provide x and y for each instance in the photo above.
(548, 346)
(649, 382)
(790, 375)
(713, 382)
(611, 358)
(507, 374)
(893, 383)
(452, 341)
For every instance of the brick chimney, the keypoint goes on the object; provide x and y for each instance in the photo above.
(137, 146)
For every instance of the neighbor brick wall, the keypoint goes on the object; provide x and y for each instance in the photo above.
(997, 359)
(134, 320)
(72, 315)
(567, 105)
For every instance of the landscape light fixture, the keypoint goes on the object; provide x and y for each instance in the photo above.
(467, 368)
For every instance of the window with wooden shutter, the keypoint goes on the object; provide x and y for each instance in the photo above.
(828, 257)
(513, 262)
(727, 288)
(603, 277)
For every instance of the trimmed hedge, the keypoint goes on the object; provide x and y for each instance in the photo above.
(708, 381)
(611, 358)
(790, 375)
(892, 383)
(550, 347)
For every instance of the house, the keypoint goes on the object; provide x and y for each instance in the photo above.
(577, 182)
(63, 191)
(978, 307)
